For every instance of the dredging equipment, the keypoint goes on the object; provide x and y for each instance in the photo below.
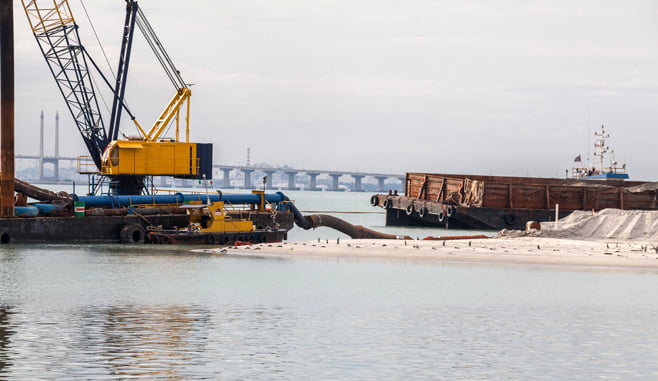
(127, 215)
(191, 218)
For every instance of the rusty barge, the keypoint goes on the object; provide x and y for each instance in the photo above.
(499, 202)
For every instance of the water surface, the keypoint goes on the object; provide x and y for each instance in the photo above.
(163, 312)
(119, 311)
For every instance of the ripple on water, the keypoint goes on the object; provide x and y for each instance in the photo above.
(204, 317)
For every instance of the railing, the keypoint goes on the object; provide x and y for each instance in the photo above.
(86, 166)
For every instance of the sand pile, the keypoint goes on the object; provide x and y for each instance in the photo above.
(606, 224)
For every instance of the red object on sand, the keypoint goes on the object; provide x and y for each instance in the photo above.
(447, 238)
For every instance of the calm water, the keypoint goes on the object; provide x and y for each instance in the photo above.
(162, 312)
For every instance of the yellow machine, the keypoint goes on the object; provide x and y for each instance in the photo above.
(154, 156)
(134, 157)
(212, 218)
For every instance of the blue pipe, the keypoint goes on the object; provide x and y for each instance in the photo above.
(48, 208)
(300, 219)
(26, 211)
(178, 198)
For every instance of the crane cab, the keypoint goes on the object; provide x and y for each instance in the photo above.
(161, 158)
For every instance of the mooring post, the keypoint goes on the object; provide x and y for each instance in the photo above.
(7, 108)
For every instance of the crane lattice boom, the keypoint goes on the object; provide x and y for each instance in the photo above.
(57, 35)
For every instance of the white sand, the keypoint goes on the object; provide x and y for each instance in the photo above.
(606, 224)
(608, 239)
(518, 250)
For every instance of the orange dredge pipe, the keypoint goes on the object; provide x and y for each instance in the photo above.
(451, 237)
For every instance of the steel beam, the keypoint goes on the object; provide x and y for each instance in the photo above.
(6, 108)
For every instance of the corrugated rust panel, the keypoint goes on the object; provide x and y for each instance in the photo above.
(435, 187)
(529, 196)
(568, 197)
(532, 193)
(639, 201)
(603, 198)
(495, 195)
(531, 180)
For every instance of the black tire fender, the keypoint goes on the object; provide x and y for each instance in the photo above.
(509, 219)
(441, 216)
(5, 236)
(132, 233)
(374, 200)
(450, 210)
(422, 212)
(410, 209)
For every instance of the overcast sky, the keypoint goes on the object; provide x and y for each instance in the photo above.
(482, 87)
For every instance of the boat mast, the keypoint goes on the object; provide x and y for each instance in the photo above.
(601, 148)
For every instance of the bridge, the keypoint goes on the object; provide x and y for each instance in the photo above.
(289, 178)
(250, 177)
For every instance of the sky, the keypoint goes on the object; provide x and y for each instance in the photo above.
(513, 88)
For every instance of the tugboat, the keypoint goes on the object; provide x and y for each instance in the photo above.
(612, 171)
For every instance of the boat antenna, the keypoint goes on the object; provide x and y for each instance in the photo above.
(588, 136)
(205, 184)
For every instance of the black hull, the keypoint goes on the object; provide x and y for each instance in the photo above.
(474, 218)
(89, 229)
(219, 238)
(135, 229)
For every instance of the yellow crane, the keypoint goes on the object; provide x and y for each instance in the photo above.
(126, 162)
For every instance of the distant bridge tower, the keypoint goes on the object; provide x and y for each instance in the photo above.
(41, 147)
(49, 160)
(57, 137)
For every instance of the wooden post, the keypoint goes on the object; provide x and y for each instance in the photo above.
(584, 198)
(439, 196)
(621, 198)
(423, 187)
(6, 108)
(509, 189)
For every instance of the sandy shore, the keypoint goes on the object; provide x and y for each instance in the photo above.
(512, 251)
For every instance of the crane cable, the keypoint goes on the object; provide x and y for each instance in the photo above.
(155, 44)
(160, 54)
(109, 65)
(159, 51)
